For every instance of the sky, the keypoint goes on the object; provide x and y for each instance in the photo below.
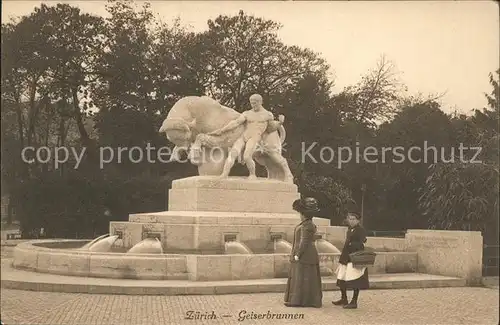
(437, 46)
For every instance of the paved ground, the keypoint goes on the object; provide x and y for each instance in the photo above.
(415, 306)
(478, 306)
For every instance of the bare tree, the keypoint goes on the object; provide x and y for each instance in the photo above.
(375, 98)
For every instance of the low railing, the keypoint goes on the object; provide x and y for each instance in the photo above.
(13, 236)
(386, 233)
(490, 260)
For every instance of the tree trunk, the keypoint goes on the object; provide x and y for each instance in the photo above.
(31, 112)
(24, 172)
(86, 141)
(84, 136)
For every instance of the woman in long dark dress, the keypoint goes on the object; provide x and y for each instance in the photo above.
(303, 288)
(350, 277)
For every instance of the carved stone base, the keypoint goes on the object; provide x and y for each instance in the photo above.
(197, 232)
(231, 194)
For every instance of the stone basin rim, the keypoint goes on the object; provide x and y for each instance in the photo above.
(195, 267)
(32, 246)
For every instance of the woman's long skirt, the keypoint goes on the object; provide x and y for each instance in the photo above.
(303, 288)
(350, 277)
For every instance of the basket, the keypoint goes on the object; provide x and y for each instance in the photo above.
(362, 258)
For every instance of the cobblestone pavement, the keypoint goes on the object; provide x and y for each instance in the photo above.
(414, 306)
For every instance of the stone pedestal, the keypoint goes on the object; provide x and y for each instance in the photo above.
(205, 212)
(233, 194)
(196, 232)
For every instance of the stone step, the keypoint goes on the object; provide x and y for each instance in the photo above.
(25, 280)
(222, 218)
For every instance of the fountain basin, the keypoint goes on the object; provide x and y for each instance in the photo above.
(63, 257)
(42, 256)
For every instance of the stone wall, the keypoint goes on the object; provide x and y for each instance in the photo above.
(386, 243)
(449, 253)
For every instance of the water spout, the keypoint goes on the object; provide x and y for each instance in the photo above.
(147, 246)
(324, 246)
(87, 245)
(281, 246)
(118, 243)
(236, 247)
(103, 245)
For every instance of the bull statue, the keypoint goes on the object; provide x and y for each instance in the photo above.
(213, 136)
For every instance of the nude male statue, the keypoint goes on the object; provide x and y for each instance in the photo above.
(257, 120)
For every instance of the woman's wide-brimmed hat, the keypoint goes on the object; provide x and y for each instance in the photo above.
(308, 206)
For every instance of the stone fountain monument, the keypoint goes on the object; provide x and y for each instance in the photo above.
(213, 214)
(220, 228)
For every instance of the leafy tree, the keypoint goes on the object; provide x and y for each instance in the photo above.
(461, 196)
(145, 72)
(243, 54)
(464, 195)
(335, 199)
(494, 97)
(306, 105)
(49, 61)
(394, 189)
